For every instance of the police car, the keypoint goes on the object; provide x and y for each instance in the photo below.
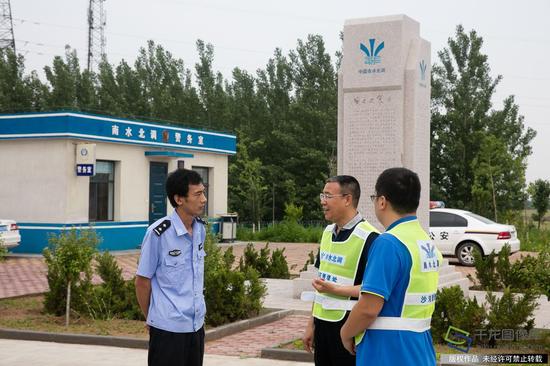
(9, 234)
(458, 233)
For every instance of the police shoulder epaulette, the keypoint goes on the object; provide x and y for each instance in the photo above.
(162, 227)
(200, 220)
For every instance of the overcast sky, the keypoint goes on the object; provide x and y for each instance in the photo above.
(245, 33)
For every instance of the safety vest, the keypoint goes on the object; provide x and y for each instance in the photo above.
(339, 262)
(419, 301)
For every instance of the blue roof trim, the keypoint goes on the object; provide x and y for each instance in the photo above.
(71, 224)
(117, 130)
(168, 154)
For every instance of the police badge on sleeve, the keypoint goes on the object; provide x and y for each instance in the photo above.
(428, 256)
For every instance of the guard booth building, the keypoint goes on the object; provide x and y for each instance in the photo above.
(66, 169)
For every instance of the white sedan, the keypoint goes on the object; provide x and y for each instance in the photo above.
(9, 234)
(458, 233)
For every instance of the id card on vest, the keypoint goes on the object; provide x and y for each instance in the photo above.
(428, 256)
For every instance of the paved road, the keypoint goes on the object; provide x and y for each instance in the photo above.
(28, 353)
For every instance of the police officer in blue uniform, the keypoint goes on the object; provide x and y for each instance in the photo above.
(170, 275)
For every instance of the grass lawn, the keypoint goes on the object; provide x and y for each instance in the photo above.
(26, 313)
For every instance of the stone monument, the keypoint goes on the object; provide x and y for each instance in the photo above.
(384, 116)
(384, 104)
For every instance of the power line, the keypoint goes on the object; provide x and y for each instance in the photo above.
(138, 36)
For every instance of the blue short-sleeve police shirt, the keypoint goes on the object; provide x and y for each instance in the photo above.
(174, 261)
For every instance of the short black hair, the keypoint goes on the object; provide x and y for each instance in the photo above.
(178, 183)
(401, 187)
(348, 185)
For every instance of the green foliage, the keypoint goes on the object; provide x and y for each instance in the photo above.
(496, 272)
(533, 239)
(293, 213)
(247, 184)
(540, 196)
(274, 266)
(479, 153)
(230, 294)
(453, 309)
(278, 267)
(282, 232)
(486, 270)
(285, 118)
(509, 312)
(310, 260)
(115, 297)
(69, 259)
(3, 251)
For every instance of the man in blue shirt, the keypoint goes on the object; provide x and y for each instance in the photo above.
(170, 275)
(400, 281)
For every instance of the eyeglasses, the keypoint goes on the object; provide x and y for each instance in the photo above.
(327, 196)
(373, 197)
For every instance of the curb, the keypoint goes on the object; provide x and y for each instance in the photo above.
(95, 340)
(232, 328)
(141, 343)
(286, 354)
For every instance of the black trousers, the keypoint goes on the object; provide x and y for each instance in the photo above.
(175, 349)
(329, 350)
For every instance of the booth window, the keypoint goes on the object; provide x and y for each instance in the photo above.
(204, 175)
(102, 189)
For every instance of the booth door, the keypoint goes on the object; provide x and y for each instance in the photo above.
(157, 191)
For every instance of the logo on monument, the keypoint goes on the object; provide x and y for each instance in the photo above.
(423, 67)
(371, 53)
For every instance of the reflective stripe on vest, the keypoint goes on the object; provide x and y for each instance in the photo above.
(328, 303)
(395, 323)
(339, 262)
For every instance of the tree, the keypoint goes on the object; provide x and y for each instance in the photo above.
(64, 78)
(465, 172)
(19, 92)
(494, 185)
(69, 260)
(540, 196)
(314, 117)
(247, 188)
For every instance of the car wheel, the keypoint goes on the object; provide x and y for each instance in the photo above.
(465, 253)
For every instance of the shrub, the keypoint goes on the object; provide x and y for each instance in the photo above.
(284, 232)
(278, 267)
(115, 297)
(3, 251)
(486, 271)
(245, 234)
(293, 213)
(531, 238)
(310, 260)
(274, 266)
(453, 309)
(542, 273)
(495, 272)
(259, 261)
(230, 294)
(69, 260)
(511, 311)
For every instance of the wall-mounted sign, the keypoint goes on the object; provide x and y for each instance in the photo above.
(85, 159)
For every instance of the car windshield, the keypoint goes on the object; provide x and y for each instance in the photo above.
(480, 218)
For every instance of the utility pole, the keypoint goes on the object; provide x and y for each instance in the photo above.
(7, 40)
(97, 19)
